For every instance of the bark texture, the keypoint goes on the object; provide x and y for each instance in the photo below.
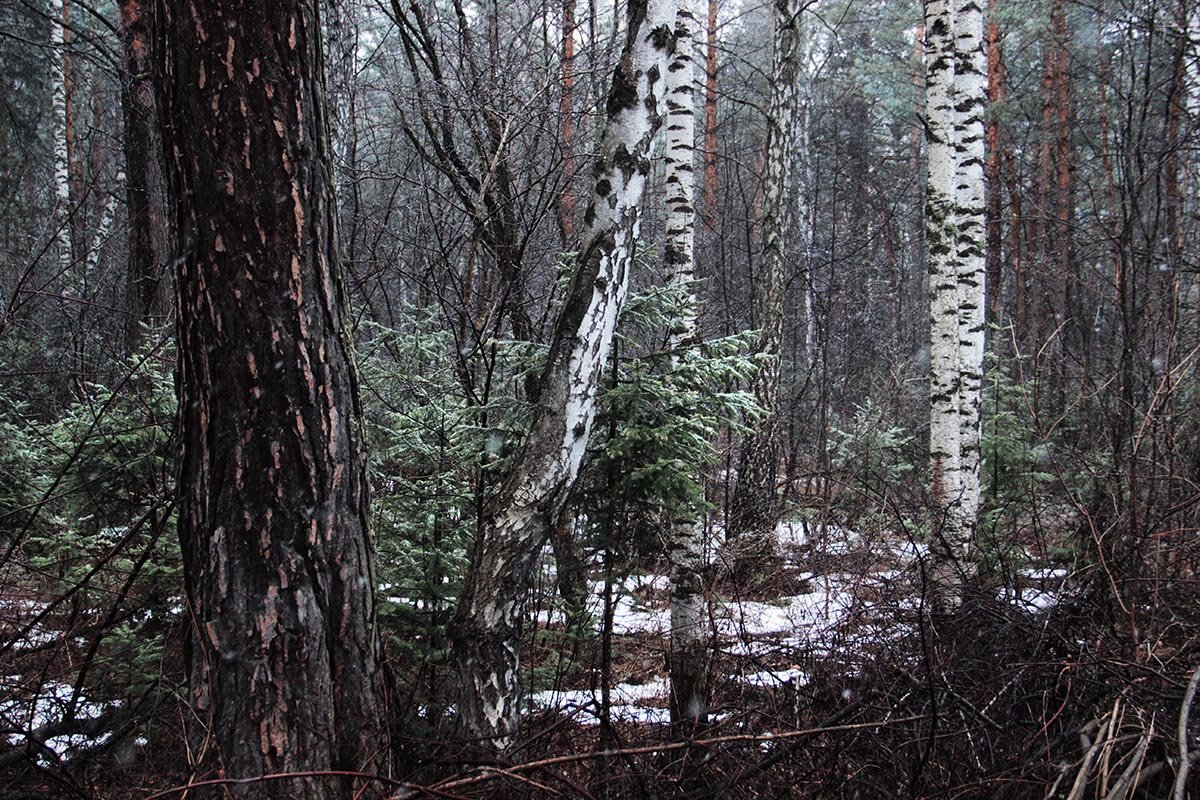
(956, 96)
(710, 116)
(60, 112)
(284, 658)
(150, 237)
(688, 656)
(753, 508)
(487, 623)
(970, 102)
(566, 129)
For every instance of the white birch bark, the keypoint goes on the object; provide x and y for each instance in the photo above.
(687, 660)
(945, 456)
(970, 102)
(103, 231)
(62, 167)
(956, 97)
(1192, 57)
(341, 59)
(753, 507)
(487, 624)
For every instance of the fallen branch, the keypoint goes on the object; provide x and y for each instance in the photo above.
(487, 773)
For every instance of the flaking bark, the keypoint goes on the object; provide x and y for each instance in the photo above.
(284, 658)
(688, 656)
(487, 624)
(150, 235)
(753, 508)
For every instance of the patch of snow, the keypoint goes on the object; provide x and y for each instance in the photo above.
(769, 679)
(48, 705)
(38, 636)
(628, 702)
(1033, 600)
(1046, 574)
(791, 533)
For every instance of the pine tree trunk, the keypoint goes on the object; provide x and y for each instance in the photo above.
(753, 507)
(487, 623)
(150, 240)
(710, 117)
(284, 665)
(688, 656)
(996, 91)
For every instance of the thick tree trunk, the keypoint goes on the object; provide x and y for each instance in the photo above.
(753, 507)
(284, 666)
(956, 97)
(150, 240)
(689, 631)
(487, 623)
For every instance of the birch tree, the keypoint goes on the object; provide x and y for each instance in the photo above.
(285, 667)
(970, 102)
(60, 112)
(956, 92)
(487, 626)
(689, 634)
(753, 507)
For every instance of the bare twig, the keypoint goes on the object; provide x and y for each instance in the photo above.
(1181, 775)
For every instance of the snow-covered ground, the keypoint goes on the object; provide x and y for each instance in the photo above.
(835, 615)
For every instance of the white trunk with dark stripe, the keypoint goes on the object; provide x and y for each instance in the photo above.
(1192, 60)
(487, 623)
(689, 633)
(58, 113)
(753, 507)
(970, 101)
(956, 92)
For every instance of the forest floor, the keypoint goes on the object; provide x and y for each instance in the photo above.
(831, 678)
(834, 600)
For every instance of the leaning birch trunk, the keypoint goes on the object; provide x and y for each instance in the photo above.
(689, 635)
(970, 101)
(753, 506)
(487, 623)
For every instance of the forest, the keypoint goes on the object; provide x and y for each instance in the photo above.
(555, 398)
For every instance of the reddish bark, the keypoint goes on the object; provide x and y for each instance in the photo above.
(285, 667)
(710, 118)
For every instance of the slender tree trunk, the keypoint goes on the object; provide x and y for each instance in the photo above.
(970, 103)
(566, 130)
(1065, 279)
(710, 117)
(487, 623)
(60, 109)
(150, 240)
(945, 448)
(284, 658)
(753, 508)
(689, 634)
(997, 91)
